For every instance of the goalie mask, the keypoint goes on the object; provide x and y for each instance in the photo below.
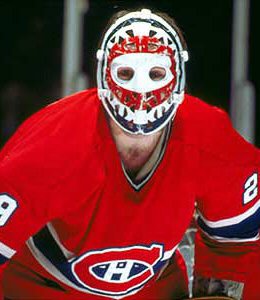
(141, 74)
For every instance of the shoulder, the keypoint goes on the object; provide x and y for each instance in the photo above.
(198, 119)
(210, 130)
(63, 113)
(59, 136)
(78, 102)
(201, 116)
(67, 119)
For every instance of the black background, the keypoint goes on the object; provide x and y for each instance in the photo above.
(31, 45)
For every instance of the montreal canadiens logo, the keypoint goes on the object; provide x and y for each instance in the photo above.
(118, 272)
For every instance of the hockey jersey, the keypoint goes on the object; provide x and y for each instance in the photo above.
(75, 225)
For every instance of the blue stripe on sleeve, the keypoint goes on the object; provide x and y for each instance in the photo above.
(3, 259)
(246, 229)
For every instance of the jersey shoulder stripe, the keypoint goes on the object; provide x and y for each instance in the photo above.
(242, 227)
(5, 253)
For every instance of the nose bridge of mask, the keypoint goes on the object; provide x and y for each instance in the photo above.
(141, 79)
(142, 63)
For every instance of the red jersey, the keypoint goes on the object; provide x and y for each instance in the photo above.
(75, 225)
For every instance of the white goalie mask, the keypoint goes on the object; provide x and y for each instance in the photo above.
(141, 75)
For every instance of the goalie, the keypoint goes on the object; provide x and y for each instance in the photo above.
(97, 190)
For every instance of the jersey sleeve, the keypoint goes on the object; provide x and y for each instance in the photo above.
(227, 253)
(47, 169)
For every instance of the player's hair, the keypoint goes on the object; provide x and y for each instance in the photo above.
(171, 21)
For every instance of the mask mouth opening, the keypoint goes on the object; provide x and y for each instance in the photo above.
(141, 121)
(134, 128)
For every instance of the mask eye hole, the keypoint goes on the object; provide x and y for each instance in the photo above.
(125, 73)
(157, 73)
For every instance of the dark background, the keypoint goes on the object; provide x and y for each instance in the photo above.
(31, 44)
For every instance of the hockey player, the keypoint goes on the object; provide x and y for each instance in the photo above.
(95, 196)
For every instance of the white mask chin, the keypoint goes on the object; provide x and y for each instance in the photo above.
(142, 63)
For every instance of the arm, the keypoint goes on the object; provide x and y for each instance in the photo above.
(226, 268)
(227, 244)
(16, 225)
